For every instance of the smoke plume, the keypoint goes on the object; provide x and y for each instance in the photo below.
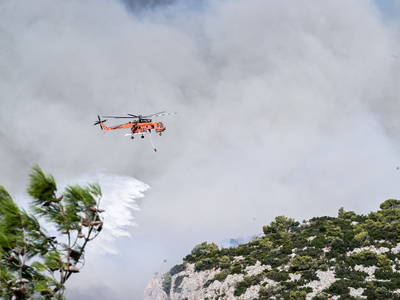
(284, 107)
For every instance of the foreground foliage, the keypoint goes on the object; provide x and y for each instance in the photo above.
(35, 265)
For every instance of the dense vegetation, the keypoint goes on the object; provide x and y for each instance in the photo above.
(319, 244)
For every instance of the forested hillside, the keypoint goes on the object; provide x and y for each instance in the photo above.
(345, 257)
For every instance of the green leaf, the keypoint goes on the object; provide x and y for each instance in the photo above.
(41, 188)
(38, 266)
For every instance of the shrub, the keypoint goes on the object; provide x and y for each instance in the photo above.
(248, 281)
(309, 275)
(386, 274)
(319, 242)
(338, 247)
(301, 263)
(201, 251)
(265, 244)
(383, 262)
(204, 248)
(178, 282)
(310, 251)
(240, 288)
(382, 291)
(277, 275)
(362, 237)
(370, 291)
(204, 264)
(270, 290)
(349, 215)
(344, 272)
(390, 204)
(332, 230)
(166, 284)
(225, 262)
(207, 284)
(298, 295)
(236, 268)
(365, 257)
(221, 276)
(281, 224)
(324, 267)
(321, 296)
(339, 288)
(177, 269)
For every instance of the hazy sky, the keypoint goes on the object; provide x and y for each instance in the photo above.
(284, 107)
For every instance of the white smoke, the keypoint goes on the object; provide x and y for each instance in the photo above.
(118, 201)
(284, 107)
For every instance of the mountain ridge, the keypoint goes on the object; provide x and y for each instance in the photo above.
(345, 257)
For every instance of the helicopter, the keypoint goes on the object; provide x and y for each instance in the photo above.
(139, 126)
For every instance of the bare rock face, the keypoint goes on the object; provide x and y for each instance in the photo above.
(154, 289)
(189, 285)
(192, 285)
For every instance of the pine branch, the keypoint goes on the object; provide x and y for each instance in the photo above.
(22, 237)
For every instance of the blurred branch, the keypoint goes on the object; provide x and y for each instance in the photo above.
(33, 264)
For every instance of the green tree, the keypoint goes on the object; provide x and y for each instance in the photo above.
(365, 258)
(270, 290)
(302, 263)
(266, 244)
(321, 296)
(390, 204)
(34, 264)
(383, 262)
(225, 262)
(221, 276)
(332, 230)
(362, 237)
(340, 212)
(166, 284)
(204, 248)
(298, 295)
(281, 224)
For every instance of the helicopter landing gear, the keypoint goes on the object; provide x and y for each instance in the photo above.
(132, 137)
(142, 136)
(160, 134)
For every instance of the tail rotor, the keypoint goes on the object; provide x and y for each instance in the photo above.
(99, 122)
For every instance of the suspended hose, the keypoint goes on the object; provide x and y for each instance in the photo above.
(155, 150)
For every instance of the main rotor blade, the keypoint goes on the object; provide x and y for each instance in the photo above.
(133, 116)
(152, 115)
(117, 117)
(160, 114)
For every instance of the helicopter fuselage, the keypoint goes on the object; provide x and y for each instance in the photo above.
(138, 127)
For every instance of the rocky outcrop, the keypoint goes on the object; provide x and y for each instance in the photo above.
(351, 256)
(192, 285)
(154, 290)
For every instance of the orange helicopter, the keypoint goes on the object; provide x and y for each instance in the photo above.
(142, 125)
